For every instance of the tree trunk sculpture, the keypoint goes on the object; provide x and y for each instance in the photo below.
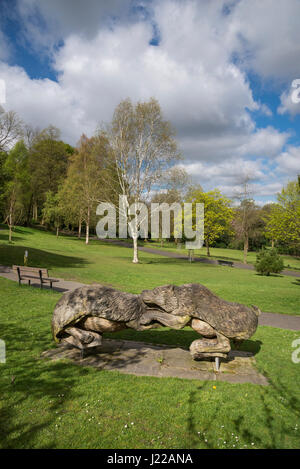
(83, 315)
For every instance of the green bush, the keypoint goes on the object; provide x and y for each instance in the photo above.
(267, 261)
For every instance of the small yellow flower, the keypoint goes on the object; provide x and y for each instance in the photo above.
(214, 387)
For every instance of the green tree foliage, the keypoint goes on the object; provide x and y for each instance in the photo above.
(268, 261)
(52, 210)
(175, 184)
(283, 221)
(86, 183)
(217, 214)
(247, 223)
(48, 163)
(143, 148)
(15, 197)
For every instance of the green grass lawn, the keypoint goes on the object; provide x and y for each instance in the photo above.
(46, 404)
(290, 262)
(102, 262)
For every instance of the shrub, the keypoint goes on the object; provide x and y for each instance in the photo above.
(267, 261)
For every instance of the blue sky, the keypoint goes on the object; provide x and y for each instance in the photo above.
(222, 71)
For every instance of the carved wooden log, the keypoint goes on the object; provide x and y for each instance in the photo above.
(92, 323)
(82, 339)
(166, 319)
(218, 347)
(81, 316)
(203, 328)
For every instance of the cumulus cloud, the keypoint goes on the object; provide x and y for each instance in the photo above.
(198, 73)
(230, 171)
(268, 36)
(290, 99)
(289, 161)
(266, 142)
(43, 102)
(44, 22)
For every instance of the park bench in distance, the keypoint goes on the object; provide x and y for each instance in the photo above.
(221, 262)
(27, 273)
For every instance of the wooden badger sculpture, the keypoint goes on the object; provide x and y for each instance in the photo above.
(83, 315)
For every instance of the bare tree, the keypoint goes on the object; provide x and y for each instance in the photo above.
(30, 135)
(143, 148)
(247, 218)
(11, 128)
(176, 183)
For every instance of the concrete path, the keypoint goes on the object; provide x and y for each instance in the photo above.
(282, 321)
(143, 359)
(60, 286)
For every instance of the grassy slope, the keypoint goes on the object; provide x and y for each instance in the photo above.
(101, 262)
(290, 262)
(44, 404)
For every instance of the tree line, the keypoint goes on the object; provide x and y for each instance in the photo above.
(45, 181)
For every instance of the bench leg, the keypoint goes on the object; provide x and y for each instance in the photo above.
(29, 282)
(51, 285)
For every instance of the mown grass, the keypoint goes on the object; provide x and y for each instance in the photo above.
(290, 262)
(101, 262)
(45, 404)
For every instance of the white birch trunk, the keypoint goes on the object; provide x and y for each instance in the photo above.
(10, 227)
(135, 259)
(87, 232)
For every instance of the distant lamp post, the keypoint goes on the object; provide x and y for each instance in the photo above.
(26, 258)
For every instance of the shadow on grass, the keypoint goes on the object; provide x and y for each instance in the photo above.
(4, 237)
(252, 346)
(277, 430)
(271, 431)
(182, 338)
(163, 260)
(31, 379)
(11, 255)
(270, 275)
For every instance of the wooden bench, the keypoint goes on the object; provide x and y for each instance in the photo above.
(228, 263)
(27, 273)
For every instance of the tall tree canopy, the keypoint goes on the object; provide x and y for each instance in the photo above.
(16, 188)
(48, 163)
(217, 214)
(143, 148)
(87, 182)
(283, 220)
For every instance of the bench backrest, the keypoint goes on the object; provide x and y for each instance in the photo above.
(24, 269)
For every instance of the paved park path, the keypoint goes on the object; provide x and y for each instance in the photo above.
(282, 321)
(205, 260)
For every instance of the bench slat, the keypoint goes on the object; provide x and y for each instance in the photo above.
(220, 262)
(36, 270)
(24, 271)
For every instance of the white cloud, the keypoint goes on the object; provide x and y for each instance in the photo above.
(106, 56)
(230, 171)
(264, 109)
(288, 102)
(289, 161)
(269, 36)
(43, 102)
(266, 142)
(47, 22)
